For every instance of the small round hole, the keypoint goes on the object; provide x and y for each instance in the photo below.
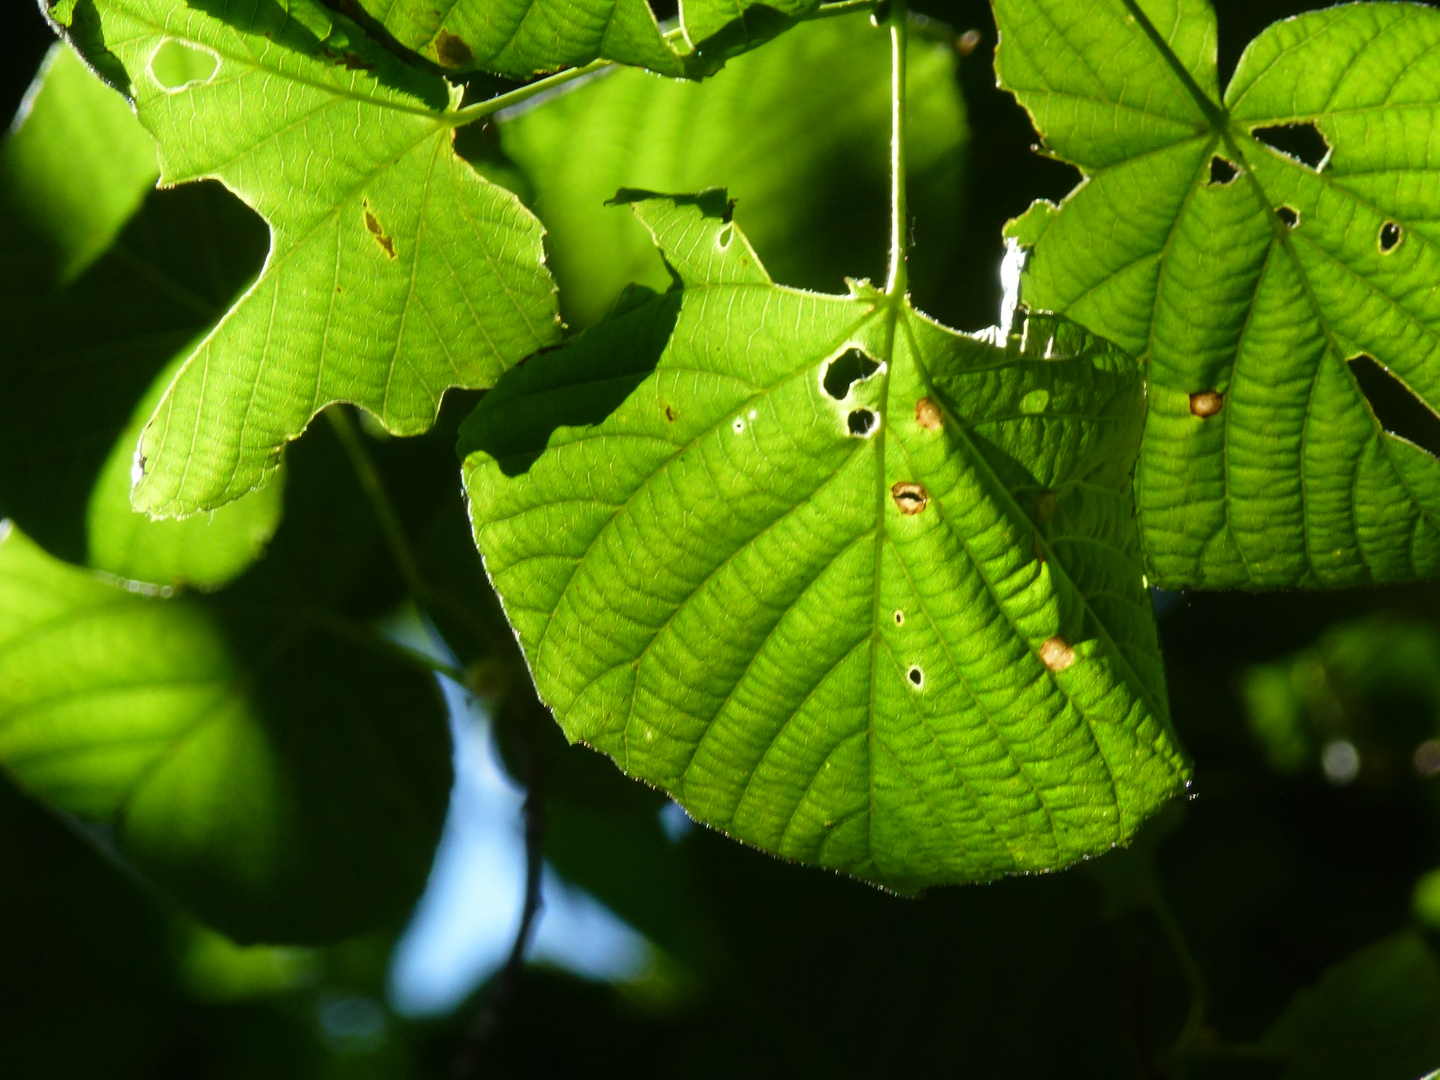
(1390, 237)
(899, 618)
(916, 676)
(861, 422)
(1289, 215)
(738, 425)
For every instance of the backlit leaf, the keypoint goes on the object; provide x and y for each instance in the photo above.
(1250, 249)
(897, 629)
(395, 270)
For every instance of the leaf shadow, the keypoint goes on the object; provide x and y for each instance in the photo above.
(577, 384)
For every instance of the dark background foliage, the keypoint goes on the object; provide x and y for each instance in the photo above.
(1272, 877)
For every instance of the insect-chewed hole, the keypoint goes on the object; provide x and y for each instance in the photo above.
(1303, 142)
(1390, 237)
(177, 64)
(916, 676)
(861, 422)
(1395, 405)
(845, 370)
(899, 618)
(1289, 215)
(725, 234)
(1222, 171)
(1206, 403)
(738, 424)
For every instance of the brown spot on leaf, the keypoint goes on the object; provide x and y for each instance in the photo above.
(967, 42)
(451, 50)
(1046, 503)
(669, 414)
(1206, 403)
(373, 224)
(911, 498)
(1057, 653)
(928, 415)
(1037, 548)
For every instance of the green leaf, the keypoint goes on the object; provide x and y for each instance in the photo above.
(73, 171)
(795, 163)
(820, 623)
(1246, 277)
(285, 783)
(395, 270)
(70, 179)
(205, 549)
(1375, 1014)
(526, 37)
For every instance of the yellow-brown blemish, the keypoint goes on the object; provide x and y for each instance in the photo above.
(1057, 653)
(451, 50)
(911, 498)
(1206, 403)
(372, 223)
(928, 415)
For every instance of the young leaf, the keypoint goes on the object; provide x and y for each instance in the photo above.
(1249, 249)
(895, 627)
(794, 162)
(284, 783)
(526, 37)
(395, 270)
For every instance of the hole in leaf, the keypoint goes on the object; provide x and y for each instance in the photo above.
(738, 425)
(899, 618)
(1057, 653)
(1390, 236)
(1206, 403)
(845, 370)
(916, 676)
(176, 65)
(725, 234)
(1303, 142)
(1289, 215)
(1395, 405)
(911, 498)
(928, 414)
(861, 422)
(1222, 171)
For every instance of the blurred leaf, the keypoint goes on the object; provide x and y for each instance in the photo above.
(1247, 248)
(285, 783)
(73, 170)
(1375, 1015)
(722, 579)
(214, 968)
(396, 271)
(809, 178)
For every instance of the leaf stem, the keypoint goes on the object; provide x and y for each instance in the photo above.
(899, 280)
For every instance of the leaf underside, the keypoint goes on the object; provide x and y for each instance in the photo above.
(1242, 272)
(720, 576)
(395, 270)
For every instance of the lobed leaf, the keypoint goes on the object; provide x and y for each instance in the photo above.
(1249, 279)
(395, 270)
(284, 783)
(896, 628)
(794, 162)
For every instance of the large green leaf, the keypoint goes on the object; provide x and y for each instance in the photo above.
(901, 633)
(284, 782)
(794, 162)
(70, 178)
(1247, 277)
(395, 270)
(1375, 1014)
